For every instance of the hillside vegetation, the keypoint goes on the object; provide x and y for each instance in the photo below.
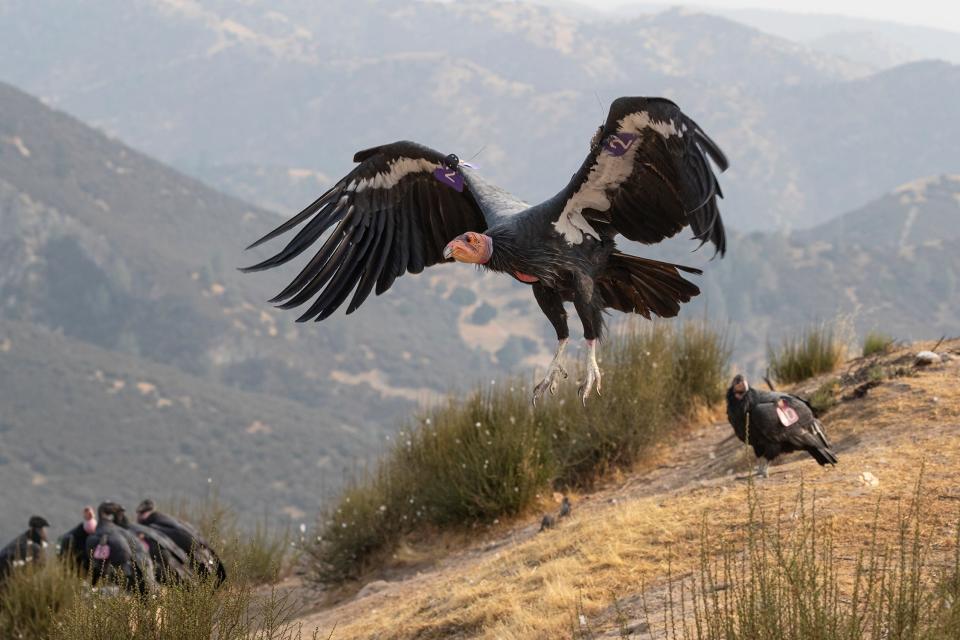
(615, 569)
(492, 455)
(82, 424)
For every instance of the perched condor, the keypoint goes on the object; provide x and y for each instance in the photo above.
(202, 559)
(117, 555)
(171, 564)
(405, 207)
(73, 544)
(29, 546)
(776, 423)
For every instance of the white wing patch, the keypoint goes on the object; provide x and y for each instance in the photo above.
(641, 120)
(607, 173)
(398, 169)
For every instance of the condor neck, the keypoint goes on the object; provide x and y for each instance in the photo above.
(506, 255)
(496, 203)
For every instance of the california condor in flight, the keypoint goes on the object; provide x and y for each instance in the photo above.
(405, 207)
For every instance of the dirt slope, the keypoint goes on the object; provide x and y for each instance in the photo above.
(513, 582)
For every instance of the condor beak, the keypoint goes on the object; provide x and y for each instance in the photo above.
(448, 251)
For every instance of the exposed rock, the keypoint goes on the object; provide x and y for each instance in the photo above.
(869, 479)
(926, 358)
(372, 587)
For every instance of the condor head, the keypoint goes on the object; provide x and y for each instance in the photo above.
(470, 247)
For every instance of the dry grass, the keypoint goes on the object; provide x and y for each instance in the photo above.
(876, 343)
(490, 455)
(260, 555)
(528, 586)
(785, 578)
(815, 351)
(199, 611)
(32, 597)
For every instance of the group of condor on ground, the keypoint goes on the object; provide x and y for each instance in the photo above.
(111, 549)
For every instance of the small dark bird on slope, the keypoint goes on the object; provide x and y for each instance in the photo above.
(776, 423)
(548, 522)
(564, 508)
(405, 207)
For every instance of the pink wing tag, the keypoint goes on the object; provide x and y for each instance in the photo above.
(786, 413)
(102, 552)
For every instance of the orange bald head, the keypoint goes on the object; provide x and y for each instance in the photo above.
(471, 246)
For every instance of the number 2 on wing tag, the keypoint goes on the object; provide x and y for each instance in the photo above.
(619, 143)
(450, 177)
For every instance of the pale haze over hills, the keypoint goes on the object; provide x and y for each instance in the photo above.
(264, 99)
(123, 323)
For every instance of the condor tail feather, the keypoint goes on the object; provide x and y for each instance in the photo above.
(639, 285)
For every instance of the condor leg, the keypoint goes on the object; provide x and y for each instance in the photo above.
(590, 311)
(552, 306)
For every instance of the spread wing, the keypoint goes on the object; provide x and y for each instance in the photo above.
(393, 213)
(647, 175)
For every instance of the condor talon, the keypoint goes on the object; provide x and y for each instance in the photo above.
(555, 373)
(594, 377)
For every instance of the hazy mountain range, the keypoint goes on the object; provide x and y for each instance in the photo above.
(270, 100)
(134, 357)
(122, 272)
(877, 43)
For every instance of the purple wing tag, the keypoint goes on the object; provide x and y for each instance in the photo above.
(102, 552)
(450, 177)
(619, 143)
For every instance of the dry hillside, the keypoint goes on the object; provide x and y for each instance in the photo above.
(616, 550)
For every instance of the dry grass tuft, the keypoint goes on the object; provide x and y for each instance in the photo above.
(787, 577)
(817, 350)
(491, 455)
(187, 612)
(32, 597)
(259, 555)
(876, 343)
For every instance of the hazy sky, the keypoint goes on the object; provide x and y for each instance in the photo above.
(943, 14)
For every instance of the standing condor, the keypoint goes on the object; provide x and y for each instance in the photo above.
(73, 544)
(776, 423)
(405, 207)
